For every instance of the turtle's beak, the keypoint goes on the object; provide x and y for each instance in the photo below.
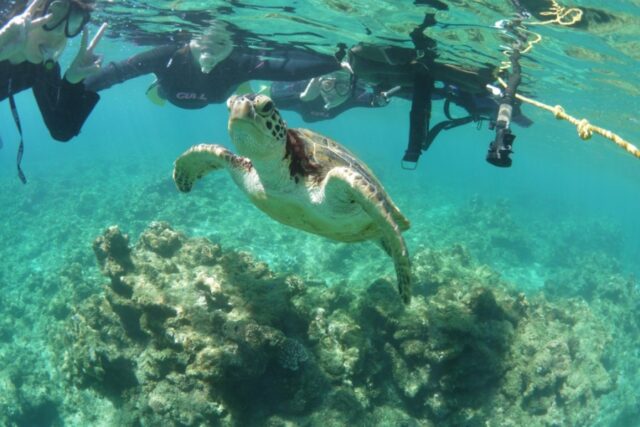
(231, 101)
(240, 108)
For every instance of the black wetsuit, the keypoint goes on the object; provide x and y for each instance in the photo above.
(286, 95)
(64, 106)
(183, 84)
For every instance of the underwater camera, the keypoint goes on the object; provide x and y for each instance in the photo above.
(500, 147)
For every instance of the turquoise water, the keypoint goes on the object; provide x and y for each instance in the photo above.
(560, 226)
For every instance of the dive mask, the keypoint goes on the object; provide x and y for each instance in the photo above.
(335, 89)
(66, 13)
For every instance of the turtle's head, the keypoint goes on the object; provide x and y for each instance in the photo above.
(255, 126)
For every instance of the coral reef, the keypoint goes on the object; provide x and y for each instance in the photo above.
(187, 334)
(614, 297)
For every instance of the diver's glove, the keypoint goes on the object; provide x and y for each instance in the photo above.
(86, 61)
(14, 35)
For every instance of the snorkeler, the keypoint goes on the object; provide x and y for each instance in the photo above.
(327, 96)
(30, 45)
(415, 72)
(209, 68)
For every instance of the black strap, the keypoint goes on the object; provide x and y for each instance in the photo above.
(444, 125)
(16, 118)
(418, 118)
(447, 110)
(422, 42)
(341, 52)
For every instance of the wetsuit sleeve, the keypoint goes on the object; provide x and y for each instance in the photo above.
(285, 94)
(284, 65)
(64, 106)
(16, 77)
(137, 65)
(363, 98)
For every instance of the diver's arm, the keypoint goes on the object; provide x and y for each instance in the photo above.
(137, 65)
(287, 93)
(64, 106)
(285, 65)
(367, 99)
(419, 117)
(15, 34)
(15, 78)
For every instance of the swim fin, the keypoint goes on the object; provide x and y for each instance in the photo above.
(244, 88)
(154, 95)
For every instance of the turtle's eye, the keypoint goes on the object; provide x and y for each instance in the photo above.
(231, 101)
(266, 108)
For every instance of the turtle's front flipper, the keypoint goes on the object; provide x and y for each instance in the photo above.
(198, 161)
(376, 203)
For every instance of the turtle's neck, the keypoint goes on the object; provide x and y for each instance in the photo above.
(273, 171)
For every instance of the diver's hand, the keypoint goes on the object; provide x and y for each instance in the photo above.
(14, 35)
(383, 98)
(380, 100)
(86, 61)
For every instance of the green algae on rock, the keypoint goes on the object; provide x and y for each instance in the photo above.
(200, 336)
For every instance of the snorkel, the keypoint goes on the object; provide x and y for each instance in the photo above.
(211, 47)
(43, 47)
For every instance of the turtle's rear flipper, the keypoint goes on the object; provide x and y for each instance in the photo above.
(403, 270)
(198, 161)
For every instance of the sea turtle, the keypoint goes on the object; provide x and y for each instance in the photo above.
(302, 179)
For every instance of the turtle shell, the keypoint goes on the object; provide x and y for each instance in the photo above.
(323, 154)
(326, 154)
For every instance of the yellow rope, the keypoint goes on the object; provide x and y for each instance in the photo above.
(585, 129)
(566, 16)
(561, 15)
(505, 64)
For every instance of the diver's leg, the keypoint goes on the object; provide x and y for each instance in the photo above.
(419, 116)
